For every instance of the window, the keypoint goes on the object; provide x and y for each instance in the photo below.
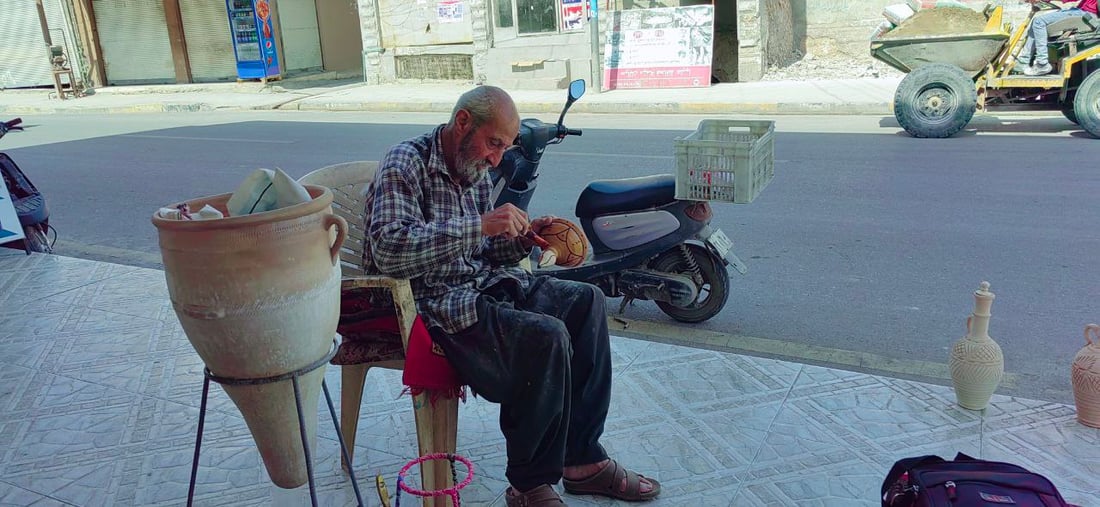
(536, 16)
(504, 14)
(526, 17)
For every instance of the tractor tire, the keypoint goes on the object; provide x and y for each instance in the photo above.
(936, 101)
(1086, 104)
(1069, 113)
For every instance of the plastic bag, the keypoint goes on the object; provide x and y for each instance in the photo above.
(266, 190)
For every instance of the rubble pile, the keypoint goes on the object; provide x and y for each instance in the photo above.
(913, 19)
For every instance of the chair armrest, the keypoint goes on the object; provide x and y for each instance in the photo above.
(401, 291)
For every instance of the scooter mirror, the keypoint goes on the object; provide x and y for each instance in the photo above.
(576, 89)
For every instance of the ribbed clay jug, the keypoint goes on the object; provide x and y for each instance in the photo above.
(1085, 375)
(977, 363)
(259, 296)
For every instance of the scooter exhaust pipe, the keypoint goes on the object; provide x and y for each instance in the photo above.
(670, 288)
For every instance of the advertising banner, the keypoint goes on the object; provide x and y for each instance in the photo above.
(10, 229)
(659, 48)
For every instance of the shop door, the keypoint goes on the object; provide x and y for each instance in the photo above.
(24, 56)
(341, 34)
(298, 27)
(209, 44)
(134, 37)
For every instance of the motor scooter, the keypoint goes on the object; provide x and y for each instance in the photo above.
(645, 243)
(30, 205)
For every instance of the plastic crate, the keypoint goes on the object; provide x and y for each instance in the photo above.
(725, 160)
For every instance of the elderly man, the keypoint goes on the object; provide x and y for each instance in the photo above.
(537, 345)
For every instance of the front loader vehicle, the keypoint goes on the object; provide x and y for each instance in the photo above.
(950, 77)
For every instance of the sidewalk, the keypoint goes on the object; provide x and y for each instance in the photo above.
(846, 96)
(101, 390)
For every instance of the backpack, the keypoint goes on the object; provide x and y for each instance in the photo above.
(927, 481)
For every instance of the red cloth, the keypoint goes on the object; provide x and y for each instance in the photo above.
(426, 367)
(1087, 6)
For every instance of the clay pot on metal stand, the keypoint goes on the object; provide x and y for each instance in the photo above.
(1085, 375)
(259, 296)
(977, 363)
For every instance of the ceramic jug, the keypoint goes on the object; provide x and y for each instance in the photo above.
(1085, 375)
(258, 296)
(977, 363)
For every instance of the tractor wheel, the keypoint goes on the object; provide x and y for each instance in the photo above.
(936, 100)
(1086, 104)
(1068, 112)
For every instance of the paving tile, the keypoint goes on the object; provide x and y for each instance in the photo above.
(14, 495)
(101, 394)
(843, 484)
(141, 293)
(89, 484)
(27, 278)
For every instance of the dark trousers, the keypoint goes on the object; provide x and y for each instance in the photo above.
(545, 356)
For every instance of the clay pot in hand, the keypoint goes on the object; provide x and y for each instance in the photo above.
(567, 245)
(259, 296)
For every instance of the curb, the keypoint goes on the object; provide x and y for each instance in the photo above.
(783, 108)
(807, 108)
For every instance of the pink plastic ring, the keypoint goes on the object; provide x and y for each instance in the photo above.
(452, 491)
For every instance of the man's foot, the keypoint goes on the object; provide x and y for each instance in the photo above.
(542, 496)
(1039, 70)
(608, 478)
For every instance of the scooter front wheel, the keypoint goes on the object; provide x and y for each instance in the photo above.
(36, 239)
(711, 278)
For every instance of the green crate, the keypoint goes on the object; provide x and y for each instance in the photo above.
(725, 160)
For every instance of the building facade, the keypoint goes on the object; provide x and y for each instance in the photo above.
(188, 41)
(529, 43)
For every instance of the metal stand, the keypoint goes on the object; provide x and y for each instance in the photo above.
(293, 377)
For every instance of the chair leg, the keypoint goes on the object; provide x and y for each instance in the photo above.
(436, 431)
(352, 379)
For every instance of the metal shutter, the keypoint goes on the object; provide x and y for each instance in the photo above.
(134, 37)
(24, 57)
(209, 44)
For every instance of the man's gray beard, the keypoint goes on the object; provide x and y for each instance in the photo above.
(469, 172)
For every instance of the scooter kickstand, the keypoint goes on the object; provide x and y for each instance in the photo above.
(627, 300)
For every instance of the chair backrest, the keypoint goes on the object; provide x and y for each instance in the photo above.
(347, 182)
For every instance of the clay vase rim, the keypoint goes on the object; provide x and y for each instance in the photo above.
(322, 199)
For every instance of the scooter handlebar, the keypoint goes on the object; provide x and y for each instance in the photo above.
(572, 132)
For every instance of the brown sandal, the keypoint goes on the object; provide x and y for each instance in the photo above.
(542, 496)
(608, 482)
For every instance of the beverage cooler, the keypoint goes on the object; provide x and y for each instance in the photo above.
(253, 39)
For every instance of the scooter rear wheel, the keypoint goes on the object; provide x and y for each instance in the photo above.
(712, 281)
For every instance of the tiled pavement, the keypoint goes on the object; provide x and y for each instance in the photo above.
(99, 397)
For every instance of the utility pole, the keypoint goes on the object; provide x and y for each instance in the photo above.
(594, 29)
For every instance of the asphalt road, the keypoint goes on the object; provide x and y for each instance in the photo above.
(867, 240)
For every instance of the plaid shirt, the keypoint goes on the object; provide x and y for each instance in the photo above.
(423, 225)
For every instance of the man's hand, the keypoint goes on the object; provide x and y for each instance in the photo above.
(540, 222)
(508, 221)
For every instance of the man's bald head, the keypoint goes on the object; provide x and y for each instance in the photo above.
(486, 103)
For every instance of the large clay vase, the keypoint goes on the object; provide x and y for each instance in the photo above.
(259, 296)
(1085, 375)
(977, 363)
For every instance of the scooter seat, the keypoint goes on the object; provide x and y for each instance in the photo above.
(604, 197)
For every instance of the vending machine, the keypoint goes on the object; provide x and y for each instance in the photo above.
(253, 39)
